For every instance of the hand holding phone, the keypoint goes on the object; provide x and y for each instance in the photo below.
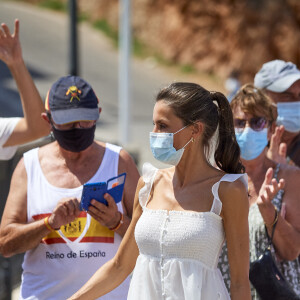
(114, 186)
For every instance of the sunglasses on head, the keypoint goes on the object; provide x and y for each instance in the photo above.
(256, 123)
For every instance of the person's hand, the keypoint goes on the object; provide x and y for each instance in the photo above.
(65, 212)
(269, 189)
(107, 216)
(277, 150)
(267, 192)
(10, 47)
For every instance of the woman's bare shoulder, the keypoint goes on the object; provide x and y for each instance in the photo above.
(233, 195)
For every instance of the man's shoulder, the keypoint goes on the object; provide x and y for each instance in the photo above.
(107, 145)
(45, 148)
(48, 151)
(100, 143)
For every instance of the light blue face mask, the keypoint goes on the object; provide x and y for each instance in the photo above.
(162, 148)
(289, 115)
(252, 143)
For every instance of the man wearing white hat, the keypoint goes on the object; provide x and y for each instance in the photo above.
(281, 82)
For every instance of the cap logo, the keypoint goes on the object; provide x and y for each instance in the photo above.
(74, 92)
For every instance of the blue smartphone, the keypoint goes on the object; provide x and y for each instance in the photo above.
(114, 186)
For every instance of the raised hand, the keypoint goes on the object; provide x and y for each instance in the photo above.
(66, 211)
(10, 47)
(269, 189)
(277, 150)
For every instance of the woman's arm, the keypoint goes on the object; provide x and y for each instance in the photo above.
(115, 271)
(127, 165)
(235, 217)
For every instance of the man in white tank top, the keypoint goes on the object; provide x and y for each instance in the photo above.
(64, 246)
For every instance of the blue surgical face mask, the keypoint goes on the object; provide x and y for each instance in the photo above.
(252, 143)
(162, 148)
(289, 115)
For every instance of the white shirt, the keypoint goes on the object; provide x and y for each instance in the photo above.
(7, 126)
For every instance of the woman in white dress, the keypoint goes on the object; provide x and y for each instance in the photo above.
(183, 213)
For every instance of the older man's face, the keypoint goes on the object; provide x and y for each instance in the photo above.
(292, 94)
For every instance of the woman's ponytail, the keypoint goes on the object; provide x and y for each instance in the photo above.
(227, 154)
(191, 103)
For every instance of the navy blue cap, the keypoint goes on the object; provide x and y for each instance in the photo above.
(72, 99)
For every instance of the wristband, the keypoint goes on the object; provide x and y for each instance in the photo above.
(275, 219)
(46, 223)
(119, 224)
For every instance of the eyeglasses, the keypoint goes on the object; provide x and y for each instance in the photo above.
(79, 124)
(256, 123)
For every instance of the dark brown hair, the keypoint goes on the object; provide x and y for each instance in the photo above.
(191, 103)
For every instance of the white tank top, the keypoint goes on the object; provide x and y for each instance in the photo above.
(65, 259)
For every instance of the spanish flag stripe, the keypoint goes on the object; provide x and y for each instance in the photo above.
(97, 239)
(106, 240)
(53, 241)
(42, 216)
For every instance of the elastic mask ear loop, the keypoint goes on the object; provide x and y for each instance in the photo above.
(180, 129)
(50, 119)
(191, 140)
(51, 123)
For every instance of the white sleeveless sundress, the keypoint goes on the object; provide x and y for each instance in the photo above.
(179, 250)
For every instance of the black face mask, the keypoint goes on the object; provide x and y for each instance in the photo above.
(76, 139)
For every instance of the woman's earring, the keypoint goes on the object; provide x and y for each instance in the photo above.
(193, 140)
